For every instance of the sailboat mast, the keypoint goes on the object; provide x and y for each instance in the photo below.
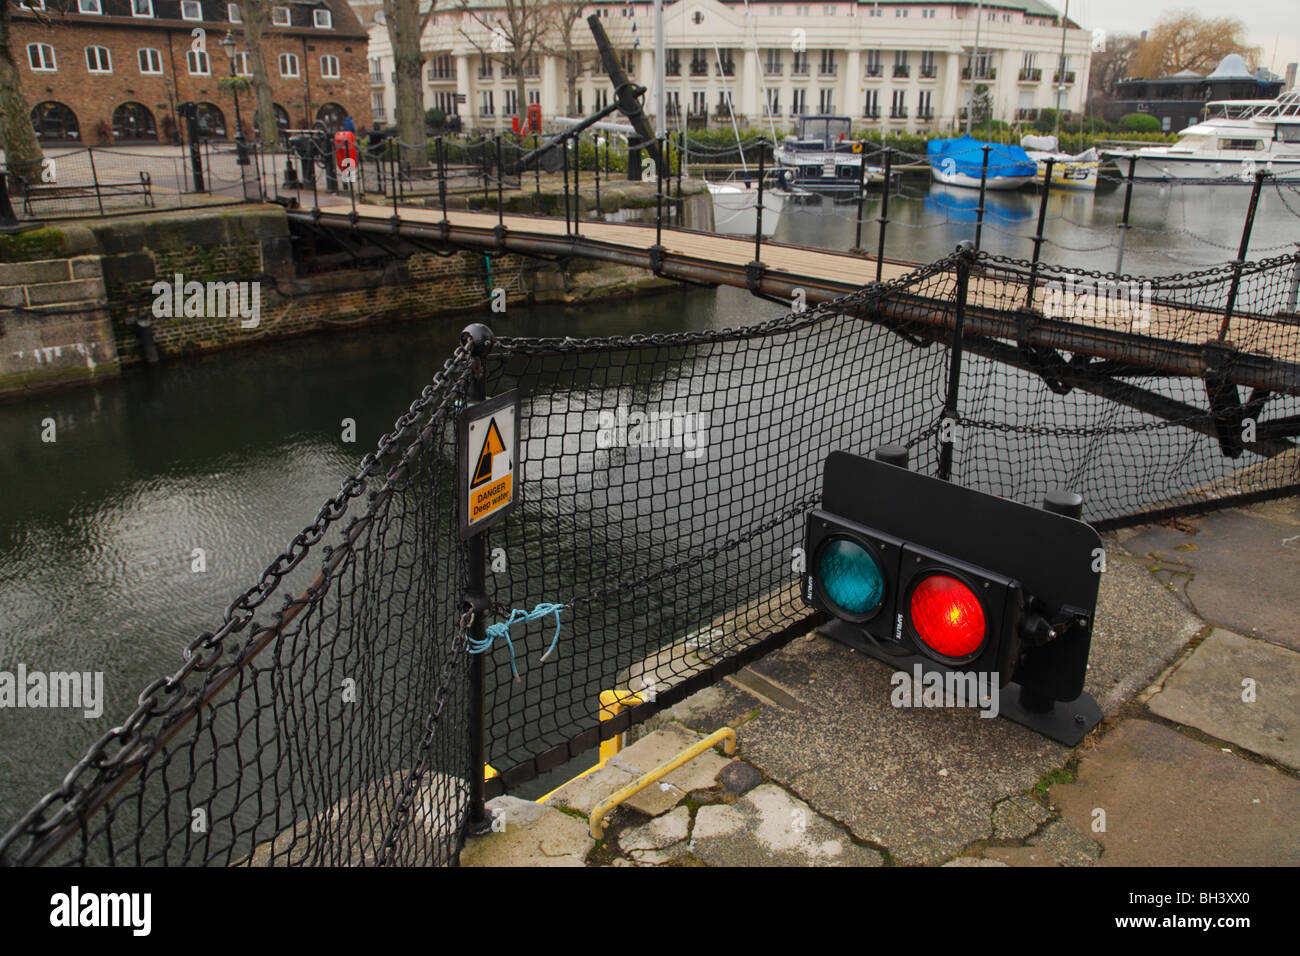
(1060, 69)
(661, 125)
(970, 108)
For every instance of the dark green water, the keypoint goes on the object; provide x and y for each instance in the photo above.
(233, 453)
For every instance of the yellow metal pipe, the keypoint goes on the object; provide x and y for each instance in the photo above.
(612, 703)
(632, 789)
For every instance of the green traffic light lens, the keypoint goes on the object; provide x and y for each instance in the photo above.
(850, 577)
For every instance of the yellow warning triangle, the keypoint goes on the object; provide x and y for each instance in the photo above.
(492, 445)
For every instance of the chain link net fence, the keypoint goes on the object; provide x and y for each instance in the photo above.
(329, 732)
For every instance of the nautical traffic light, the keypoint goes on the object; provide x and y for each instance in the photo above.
(918, 571)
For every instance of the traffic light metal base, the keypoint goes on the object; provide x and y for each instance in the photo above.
(1066, 722)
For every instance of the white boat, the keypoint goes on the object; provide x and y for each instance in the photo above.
(1068, 172)
(823, 158)
(1265, 136)
(735, 207)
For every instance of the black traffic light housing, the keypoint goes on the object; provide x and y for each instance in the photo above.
(1031, 569)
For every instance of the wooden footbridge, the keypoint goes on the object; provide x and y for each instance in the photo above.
(1003, 319)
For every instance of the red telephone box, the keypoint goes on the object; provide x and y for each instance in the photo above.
(345, 149)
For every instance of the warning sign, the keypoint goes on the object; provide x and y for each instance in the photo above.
(489, 453)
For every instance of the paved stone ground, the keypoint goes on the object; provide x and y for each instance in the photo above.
(1195, 663)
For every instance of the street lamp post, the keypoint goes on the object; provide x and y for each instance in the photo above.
(241, 149)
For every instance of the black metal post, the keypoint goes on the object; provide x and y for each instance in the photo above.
(99, 199)
(483, 159)
(596, 145)
(1123, 224)
(537, 180)
(884, 212)
(7, 217)
(500, 186)
(966, 252)
(441, 150)
(577, 185)
(393, 176)
(476, 603)
(681, 162)
(564, 153)
(984, 181)
(758, 220)
(189, 114)
(1038, 236)
(659, 197)
(1241, 253)
(862, 198)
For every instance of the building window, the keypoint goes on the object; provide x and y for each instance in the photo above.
(827, 65)
(486, 106)
(31, 5)
(89, 6)
(875, 12)
(900, 11)
(798, 102)
(772, 62)
(98, 60)
(322, 19)
(872, 108)
(535, 96)
(233, 14)
(873, 63)
(289, 66)
(898, 105)
(329, 67)
(141, 8)
(773, 106)
(924, 107)
(512, 103)
(54, 121)
(41, 58)
(377, 107)
(197, 61)
(133, 121)
(280, 16)
(191, 10)
(826, 101)
(243, 65)
(150, 61)
(927, 14)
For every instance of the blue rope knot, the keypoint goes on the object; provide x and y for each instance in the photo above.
(502, 629)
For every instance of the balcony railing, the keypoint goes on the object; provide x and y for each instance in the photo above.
(873, 71)
(726, 69)
(926, 114)
(376, 79)
(902, 69)
(772, 110)
(380, 116)
(799, 69)
(485, 72)
(989, 73)
(1069, 76)
(928, 72)
(672, 69)
(773, 69)
(827, 69)
(898, 112)
(699, 69)
(486, 111)
(1030, 75)
(871, 112)
(1026, 114)
(442, 76)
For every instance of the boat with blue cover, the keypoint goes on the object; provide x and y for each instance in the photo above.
(958, 162)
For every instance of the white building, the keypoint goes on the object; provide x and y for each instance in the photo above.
(896, 66)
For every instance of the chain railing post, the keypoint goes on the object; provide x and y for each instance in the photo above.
(1241, 253)
(659, 194)
(99, 199)
(577, 182)
(862, 198)
(537, 181)
(1038, 236)
(681, 164)
(564, 171)
(758, 220)
(441, 152)
(984, 181)
(501, 206)
(883, 219)
(948, 422)
(596, 145)
(475, 604)
(1123, 223)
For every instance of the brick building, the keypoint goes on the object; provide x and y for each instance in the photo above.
(105, 72)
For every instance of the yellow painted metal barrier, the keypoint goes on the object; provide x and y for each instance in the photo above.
(612, 703)
(690, 753)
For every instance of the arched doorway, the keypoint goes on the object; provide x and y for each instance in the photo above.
(133, 122)
(54, 122)
(281, 119)
(331, 115)
(211, 121)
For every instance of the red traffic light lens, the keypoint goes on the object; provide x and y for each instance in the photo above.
(947, 616)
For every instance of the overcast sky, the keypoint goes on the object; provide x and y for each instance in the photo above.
(1269, 23)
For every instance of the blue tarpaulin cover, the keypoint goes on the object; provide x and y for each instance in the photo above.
(967, 153)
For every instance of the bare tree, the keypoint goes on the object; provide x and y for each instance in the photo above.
(1183, 40)
(256, 15)
(23, 154)
(565, 17)
(512, 38)
(1111, 65)
(406, 22)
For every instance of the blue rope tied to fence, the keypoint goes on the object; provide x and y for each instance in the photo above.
(502, 629)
